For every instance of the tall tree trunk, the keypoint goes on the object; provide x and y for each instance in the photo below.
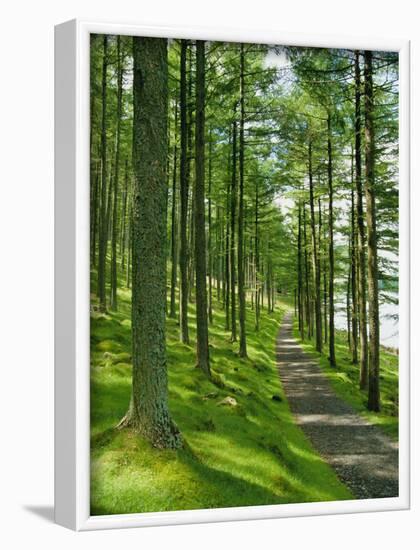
(353, 259)
(203, 360)
(103, 227)
(331, 248)
(148, 412)
(190, 158)
(315, 263)
(257, 259)
(209, 240)
(241, 267)
(129, 246)
(374, 392)
(227, 260)
(300, 277)
(123, 238)
(174, 229)
(94, 213)
(233, 199)
(114, 275)
(361, 260)
(325, 285)
(348, 304)
(183, 251)
(218, 252)
(307, 289)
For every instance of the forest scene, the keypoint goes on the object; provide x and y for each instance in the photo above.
(244, 216)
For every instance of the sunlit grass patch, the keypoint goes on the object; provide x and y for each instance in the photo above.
(240, 452)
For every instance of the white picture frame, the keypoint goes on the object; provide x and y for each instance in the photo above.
(72, 300)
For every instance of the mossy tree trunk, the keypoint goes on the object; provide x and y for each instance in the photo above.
(148, 413)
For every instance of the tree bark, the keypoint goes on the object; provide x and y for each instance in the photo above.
(203, 360)
(209, 240)
(148, 413)
(257, 259)
(315, 263)
(123, 239)
(299, 270)
(307, 289)
(331, 248)
(114, 274)
(353, 259)
(227, 259)
(174, 228)
(361, 259)
(233, 199)
(241, 275)
(374, 391)
(103, 227)
(183, 251)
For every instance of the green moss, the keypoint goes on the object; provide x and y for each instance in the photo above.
(248, 454)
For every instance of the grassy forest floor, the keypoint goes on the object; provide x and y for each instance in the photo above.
(250, 453)
(345, 380)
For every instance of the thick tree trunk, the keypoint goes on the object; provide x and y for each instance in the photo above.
(148, 413)
(241, 267)
(183, 251)
(203, 360)
(374, 392)
(361, 260)
(331, 249)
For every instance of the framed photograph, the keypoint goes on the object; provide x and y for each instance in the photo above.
(231, 275)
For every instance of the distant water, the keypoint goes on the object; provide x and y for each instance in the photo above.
(389, 326)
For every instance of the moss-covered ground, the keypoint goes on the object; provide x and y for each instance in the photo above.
(247, 454)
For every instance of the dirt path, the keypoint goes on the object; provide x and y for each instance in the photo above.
(364, 458)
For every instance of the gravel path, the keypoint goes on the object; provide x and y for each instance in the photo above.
(364, 458)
